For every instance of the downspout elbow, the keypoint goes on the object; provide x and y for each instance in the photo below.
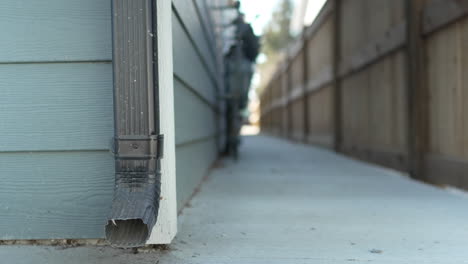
(137, 191)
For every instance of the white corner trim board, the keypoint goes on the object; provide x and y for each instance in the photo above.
(166, 226)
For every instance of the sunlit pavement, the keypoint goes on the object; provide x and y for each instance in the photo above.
(289, 203)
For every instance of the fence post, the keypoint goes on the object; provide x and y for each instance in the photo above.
(289, 120)
(305, 73)
(417, 94)
(337, 100)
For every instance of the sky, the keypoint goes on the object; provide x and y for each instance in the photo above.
(313, 9)
(258, 12)
(261, 8)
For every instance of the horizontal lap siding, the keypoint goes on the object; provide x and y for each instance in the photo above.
(189, 65)
(191, 16)
(56, 107)
(195, 94)
(55, 194)
(55, 30)
(56, 118)
(193, 162)
(194, 119)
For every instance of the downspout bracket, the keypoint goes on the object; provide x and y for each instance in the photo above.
(139, 147)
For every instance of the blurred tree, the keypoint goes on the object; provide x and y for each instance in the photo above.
(277, 35)
(275, 39)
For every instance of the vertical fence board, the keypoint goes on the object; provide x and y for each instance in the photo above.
(321, 117)
(320, 104)
(399, 99)
(377, 87)
(380, 105)
(444, 88)
(464, 83)
(296, 96)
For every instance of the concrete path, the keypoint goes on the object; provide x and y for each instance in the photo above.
(289, 203)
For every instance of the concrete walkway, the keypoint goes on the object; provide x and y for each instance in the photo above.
(289, 203)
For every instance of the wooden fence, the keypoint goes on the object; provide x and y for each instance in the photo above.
(385, 81)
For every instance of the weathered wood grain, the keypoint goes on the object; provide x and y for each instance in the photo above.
(390, 159)
(446, 92)
(297, 121)
(284, 112)
(297, 72)
(445, 170)
(464, 83)
(441, 13)
(378, 106)
(320, 51)
(355, 110)
(374, 50)
(321, 116)
(381, 104)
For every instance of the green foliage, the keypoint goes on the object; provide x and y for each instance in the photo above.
(275, 39)
(277, 35)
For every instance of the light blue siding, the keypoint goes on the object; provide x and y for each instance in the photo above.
(193, 162)
(55, 194)
(55, 30)
(196, 91)
(194, 22)
(188, 65)
(56, 106)
(56, 118)
(194, 119)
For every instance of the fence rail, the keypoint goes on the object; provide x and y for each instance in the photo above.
(381, 80)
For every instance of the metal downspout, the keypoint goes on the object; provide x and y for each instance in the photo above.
(138, 143)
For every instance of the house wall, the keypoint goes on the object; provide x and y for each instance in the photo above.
(56, 118)
(197, 87)
(56, 112)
